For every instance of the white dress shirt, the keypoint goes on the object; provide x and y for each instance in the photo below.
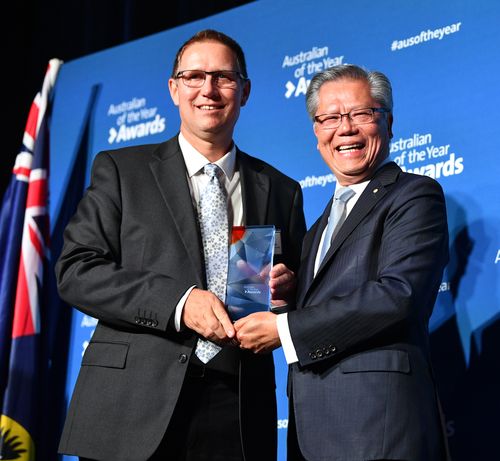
(282, 319)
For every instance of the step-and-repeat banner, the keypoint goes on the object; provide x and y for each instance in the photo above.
(443, 61)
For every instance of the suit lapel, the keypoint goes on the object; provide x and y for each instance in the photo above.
(310, 247)
(373, 193)
(169, 171)
(369, 198)
(255, 188)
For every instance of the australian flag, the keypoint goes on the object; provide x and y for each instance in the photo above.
(24, 246)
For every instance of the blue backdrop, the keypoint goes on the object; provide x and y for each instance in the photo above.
(442, 58)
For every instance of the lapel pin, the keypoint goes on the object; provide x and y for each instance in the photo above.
(375, 191)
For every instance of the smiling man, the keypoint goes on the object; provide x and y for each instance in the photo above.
(361, 385)
(163, 378)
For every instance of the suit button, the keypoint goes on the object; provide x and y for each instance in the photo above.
(312, 355)
(183, 358)
(137, 320)
(155, 323)
(319, 353)
(149, 323)
(332, 348)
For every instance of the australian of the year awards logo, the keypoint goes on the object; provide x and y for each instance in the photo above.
(304, 64)
(252, 290)
(134, 119)
(419, 154)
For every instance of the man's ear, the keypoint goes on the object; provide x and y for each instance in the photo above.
(174, 90)
(390, 119)
(246, 92)
(315, 129)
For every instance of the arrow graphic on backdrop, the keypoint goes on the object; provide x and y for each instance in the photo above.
(290, 88)
(112, 135)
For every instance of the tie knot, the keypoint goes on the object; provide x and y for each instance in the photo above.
(343, 194)
(212, 170)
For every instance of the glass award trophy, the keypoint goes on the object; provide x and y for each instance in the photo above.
(250, 261)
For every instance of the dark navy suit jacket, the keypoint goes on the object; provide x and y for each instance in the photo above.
(363, 388)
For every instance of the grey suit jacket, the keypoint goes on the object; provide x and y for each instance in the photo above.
(130, 252)
(363, 388)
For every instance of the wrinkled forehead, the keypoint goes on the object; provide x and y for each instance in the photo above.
(345, 92)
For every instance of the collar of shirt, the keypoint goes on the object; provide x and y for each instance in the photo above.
(197, 181)
(359, 188)
(195, 161)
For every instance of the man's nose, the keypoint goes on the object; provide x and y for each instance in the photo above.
(210, 85)
(346, 124)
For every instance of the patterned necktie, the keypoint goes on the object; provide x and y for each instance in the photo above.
(336, 218)
(212, 213)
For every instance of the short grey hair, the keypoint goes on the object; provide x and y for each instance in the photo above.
(380, 86)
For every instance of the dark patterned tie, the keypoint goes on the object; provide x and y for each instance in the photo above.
(212, 211)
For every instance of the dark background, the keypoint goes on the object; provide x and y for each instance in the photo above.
(36, 31)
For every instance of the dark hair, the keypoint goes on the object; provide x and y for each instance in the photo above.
(210, 35)
(380, 86)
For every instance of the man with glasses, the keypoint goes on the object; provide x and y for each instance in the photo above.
(163, 377)
(361, 385)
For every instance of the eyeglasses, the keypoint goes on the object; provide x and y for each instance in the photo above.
(356, 117)
(221, 78)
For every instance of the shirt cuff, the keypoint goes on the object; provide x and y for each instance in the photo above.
(286, 339)
(179, 308)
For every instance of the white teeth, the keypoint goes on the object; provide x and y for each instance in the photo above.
(349, 148)
(207, 107)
